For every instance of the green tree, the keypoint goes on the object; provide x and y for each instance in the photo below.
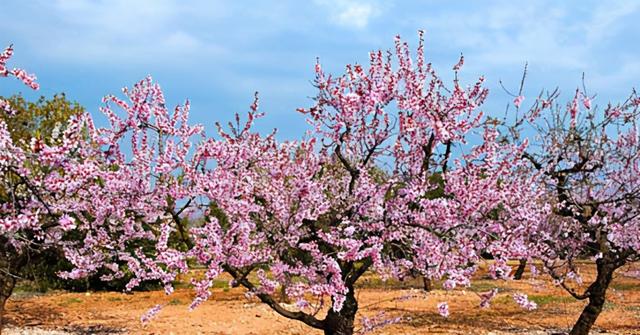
(40, 119)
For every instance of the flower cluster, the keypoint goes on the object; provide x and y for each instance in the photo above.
(524, 302)
(27, 79)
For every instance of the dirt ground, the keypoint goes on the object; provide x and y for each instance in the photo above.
(230, 312)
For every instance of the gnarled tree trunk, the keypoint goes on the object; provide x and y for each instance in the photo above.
(427, 286)
(597, 292)
(342, 322)
(8, 265)
(7, 283)
(520, 270)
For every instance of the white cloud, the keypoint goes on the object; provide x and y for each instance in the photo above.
(281, 39)
(510, 33)
(350, 13)
(356, 15)
(606, 15)
(121, 31)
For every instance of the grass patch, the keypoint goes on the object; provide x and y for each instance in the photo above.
(609, 306)
(377, 282)
(632, 308)
(70, 301)
(484, 286)
(176, 302)
(551, 299)
(27, 287)
(626, 286)
(181, 284)
(540, 300)
(217, 283)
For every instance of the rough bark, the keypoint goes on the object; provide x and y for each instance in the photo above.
(520, 270)
(597, 295)
(7, 283)
(1, 315)
(3, 301)
(342, 322)
(426, 284)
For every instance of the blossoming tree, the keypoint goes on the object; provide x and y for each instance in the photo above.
(29, 209)
(7, 259)
(78, 191)
(588, 159)
(308, 218)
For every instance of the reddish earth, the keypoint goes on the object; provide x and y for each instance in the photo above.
(229, 312)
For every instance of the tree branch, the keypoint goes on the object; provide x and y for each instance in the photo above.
(267, 299)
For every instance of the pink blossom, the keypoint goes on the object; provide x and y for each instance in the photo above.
(6, 107)
(486, 297)
(458, 66)
(524, 302)
(518, 101)
(377, 322)
(150, 314)
(66, 222)
(443, 309)
(27, 79)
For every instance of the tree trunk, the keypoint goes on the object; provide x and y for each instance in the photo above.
(597, 292)
(341, 323)
(7, 283)
(2, 303)
(520, 270)
(426, 284)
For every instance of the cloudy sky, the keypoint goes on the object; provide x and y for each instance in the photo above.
(217, 53)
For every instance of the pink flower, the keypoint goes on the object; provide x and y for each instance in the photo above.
(443, 309)
(524, 302)
(376, 322)
(459, 64)
(27, 79)
(150, 314)
(597, 256)
(6, 107)
(66, 222)
(518, 101)
(573, 109)
(449, 284)
(613, 112)
(486, 297)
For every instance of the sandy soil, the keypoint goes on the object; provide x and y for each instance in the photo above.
(230, 312)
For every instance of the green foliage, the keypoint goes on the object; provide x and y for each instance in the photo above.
(438, 191)
(38, 119)
(219, 214)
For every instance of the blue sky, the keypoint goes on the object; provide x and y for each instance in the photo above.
(217, 53)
